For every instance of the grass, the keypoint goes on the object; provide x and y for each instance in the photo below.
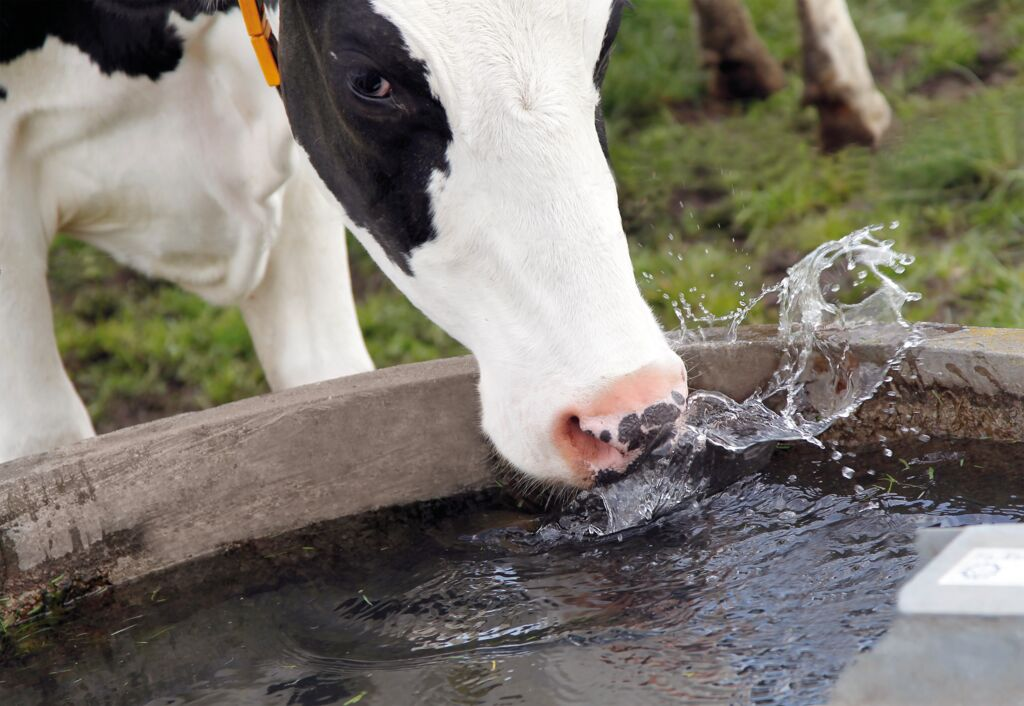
(951, 174)
(24, 619)
(711, 196)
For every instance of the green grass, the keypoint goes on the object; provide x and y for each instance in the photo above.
(743, 191)
(755, 199)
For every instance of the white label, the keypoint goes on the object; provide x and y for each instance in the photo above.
(989, 566)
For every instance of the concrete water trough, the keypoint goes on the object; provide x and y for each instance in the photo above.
(146, 498)
(197, 499)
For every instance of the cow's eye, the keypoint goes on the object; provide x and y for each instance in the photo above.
(370, 85)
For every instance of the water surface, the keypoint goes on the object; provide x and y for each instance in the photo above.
(757, 594)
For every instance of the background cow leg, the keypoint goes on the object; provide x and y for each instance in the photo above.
(837, 79)
(302, 315)
(39, 408)
(740, 64)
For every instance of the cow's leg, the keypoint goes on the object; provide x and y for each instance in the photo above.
(302, 315)
(741, 66)
(837, 79)
(39, 408)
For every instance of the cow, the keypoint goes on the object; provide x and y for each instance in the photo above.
(460, 141)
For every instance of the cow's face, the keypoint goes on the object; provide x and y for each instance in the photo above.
(464, 139)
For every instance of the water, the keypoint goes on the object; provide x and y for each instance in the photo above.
(758, 594)
(817, 381)
(678, 585)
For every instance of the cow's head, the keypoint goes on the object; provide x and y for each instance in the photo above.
(464, 139)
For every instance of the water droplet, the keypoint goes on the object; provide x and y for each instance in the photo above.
(804, 310)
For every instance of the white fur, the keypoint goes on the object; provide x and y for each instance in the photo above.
(530, 269)
(193, 178)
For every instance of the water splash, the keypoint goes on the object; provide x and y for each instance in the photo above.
(818, 380)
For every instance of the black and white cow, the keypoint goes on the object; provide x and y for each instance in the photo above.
(463, 140)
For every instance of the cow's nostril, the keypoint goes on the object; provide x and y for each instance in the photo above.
(574, 421)
(633, 420)
(589, 447)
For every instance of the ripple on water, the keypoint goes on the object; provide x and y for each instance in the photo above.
(759, 593)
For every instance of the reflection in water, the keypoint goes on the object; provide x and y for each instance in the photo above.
(756, 594)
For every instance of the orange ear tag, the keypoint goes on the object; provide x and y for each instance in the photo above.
(263, 41)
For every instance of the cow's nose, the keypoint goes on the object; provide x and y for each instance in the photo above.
(634, 416)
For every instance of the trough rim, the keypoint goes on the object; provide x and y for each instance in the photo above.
(55, 508)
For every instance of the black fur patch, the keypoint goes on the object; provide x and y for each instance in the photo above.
(133, 37)
(376, 156)
(610, 33)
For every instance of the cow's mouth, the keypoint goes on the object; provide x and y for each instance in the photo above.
(657, 444)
